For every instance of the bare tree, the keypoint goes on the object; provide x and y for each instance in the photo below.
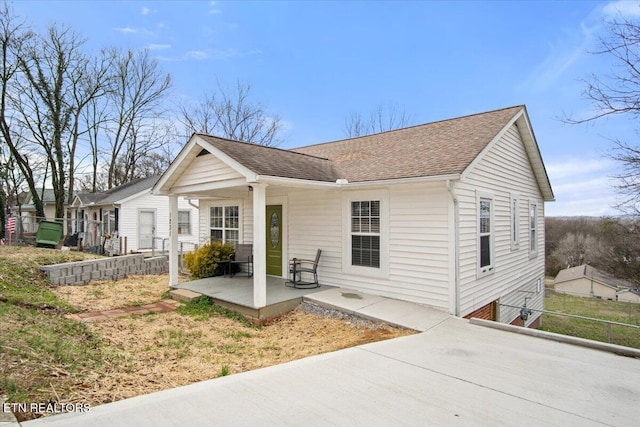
(577, 249)
(57, 84)
(619, 93)
(13, 37)
(230, 113)
(138, 89)
(381, 119)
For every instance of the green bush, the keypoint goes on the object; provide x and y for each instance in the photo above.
(204, 262)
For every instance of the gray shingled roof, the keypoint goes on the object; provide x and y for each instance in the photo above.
(435, 149)
(440, 148)
(275, 162)
(588, 272)
(116, 194)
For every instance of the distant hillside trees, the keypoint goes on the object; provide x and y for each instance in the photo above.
(609, 244)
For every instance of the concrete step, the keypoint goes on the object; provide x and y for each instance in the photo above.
(183, 295)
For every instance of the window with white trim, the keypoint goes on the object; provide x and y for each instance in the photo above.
(485, 235)
(184, 222)
(365, 233)
(533, 226)
(109, 222)
(515, 222)
(225, 223)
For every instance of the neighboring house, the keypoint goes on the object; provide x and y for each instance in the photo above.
(29, 221)
(449, 214)
(629, 295)
(131, 211)
(586, 281)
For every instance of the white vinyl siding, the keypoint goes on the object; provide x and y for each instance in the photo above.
(206, 168)
(416, 240)
(504, 170)
(128, 217)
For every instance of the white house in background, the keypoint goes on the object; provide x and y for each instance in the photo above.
(586, 281)
(449, 214)
(131, 211)
(29, 220)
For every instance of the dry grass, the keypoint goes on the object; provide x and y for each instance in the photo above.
(108, 294)
(161, 351)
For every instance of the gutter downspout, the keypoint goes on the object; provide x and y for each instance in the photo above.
(456, 233)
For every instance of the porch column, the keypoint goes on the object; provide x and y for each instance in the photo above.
(173, 241)
(259, 245)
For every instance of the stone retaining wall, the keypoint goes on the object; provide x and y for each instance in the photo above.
(113, 268)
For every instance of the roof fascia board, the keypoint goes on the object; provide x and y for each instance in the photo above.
(293, 182)
(207, 186)
(535, 157)
(180, 158)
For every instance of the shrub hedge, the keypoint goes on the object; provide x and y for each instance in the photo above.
(204, 262)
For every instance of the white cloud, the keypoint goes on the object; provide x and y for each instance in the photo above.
(213, 9)
(126, 30)
(158, 46)
(576, 167)
(562, 56)
(145, 11)
(582, 187)
(197, 54)
(624, 8)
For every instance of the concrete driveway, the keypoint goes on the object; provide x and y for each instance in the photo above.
(455, 373)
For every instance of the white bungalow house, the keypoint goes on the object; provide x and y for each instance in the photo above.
(448, 214)
(131, 211)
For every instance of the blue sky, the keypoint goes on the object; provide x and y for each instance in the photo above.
(315, 63)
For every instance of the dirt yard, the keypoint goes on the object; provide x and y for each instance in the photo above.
(165, 350)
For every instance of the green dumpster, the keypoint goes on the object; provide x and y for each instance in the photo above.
(49, 234)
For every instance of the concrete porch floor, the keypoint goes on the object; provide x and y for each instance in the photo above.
(236, 293)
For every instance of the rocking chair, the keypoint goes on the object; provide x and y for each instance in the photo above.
(307, 267)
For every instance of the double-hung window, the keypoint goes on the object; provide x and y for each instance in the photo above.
(184, 222)
(225, 223)
(533, 227)
(365, 233)
(485, 235)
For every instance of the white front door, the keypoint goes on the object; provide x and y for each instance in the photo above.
(146, 229)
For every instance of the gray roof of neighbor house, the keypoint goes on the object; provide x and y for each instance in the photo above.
(116, 194)
(587, 272)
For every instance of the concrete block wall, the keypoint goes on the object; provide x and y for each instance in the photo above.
(113, 268)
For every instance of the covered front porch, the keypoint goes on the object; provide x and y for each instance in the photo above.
(242, 199)
(236, 293)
